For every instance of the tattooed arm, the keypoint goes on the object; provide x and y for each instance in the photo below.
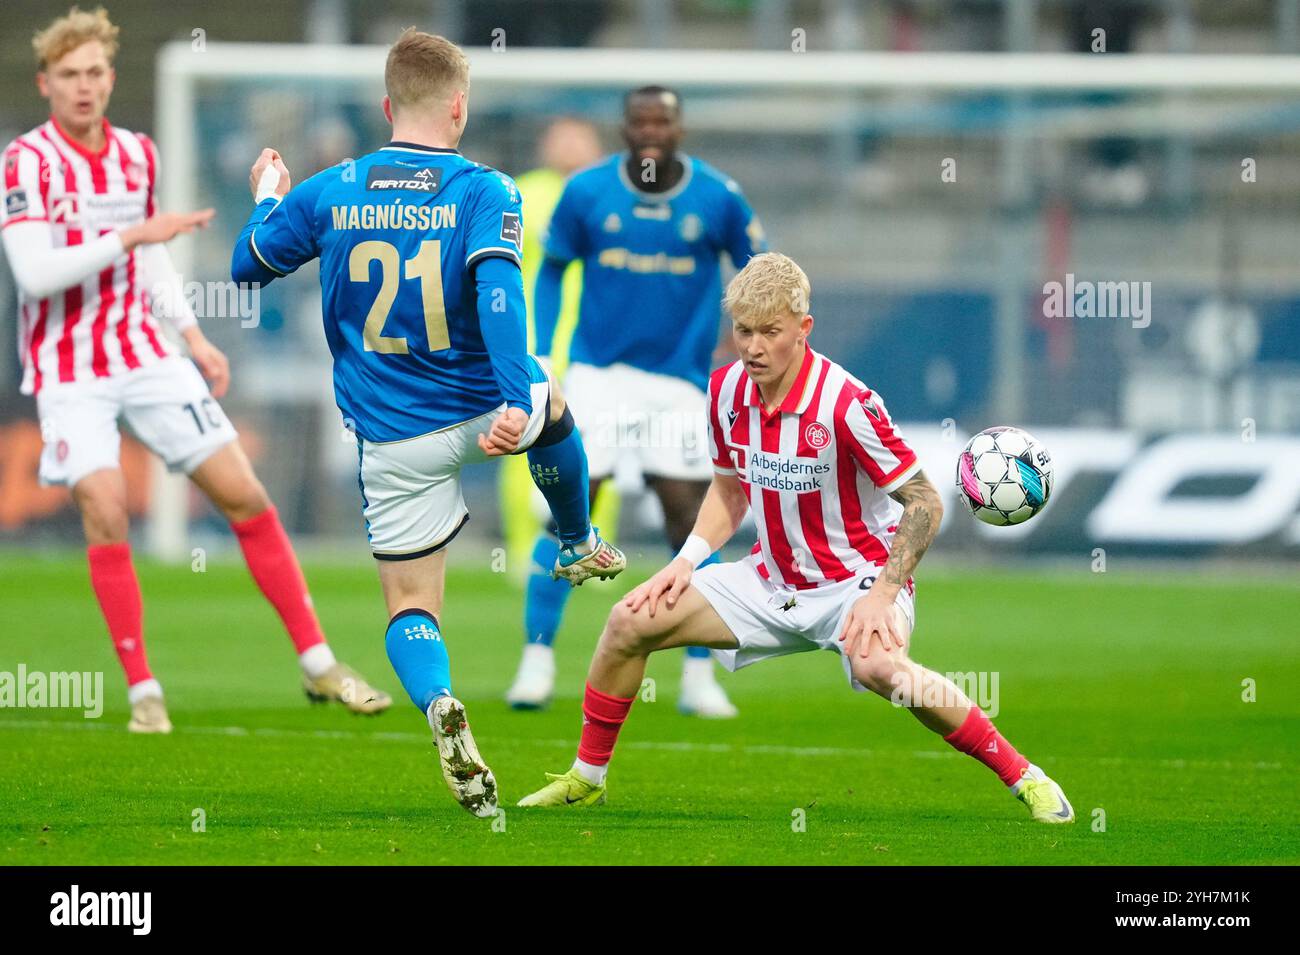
(873, 614)
(922, 512)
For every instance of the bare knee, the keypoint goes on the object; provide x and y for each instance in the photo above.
(413, 584)
(244, 501)
(884, 674)
(228, 480)
(558, 403)
(240, 496)
(627, 634)
(101, 499)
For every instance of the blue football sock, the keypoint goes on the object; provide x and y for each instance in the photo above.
(560, 472)
(545, 600)
(419, 656)
(700, 653)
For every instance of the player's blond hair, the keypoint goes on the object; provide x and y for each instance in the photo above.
(68, 32)
(771, 285)
(423, 68)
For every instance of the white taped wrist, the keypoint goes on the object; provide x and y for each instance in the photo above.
(267, 184)
(696, 550)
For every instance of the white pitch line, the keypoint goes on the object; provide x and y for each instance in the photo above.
(652, 745)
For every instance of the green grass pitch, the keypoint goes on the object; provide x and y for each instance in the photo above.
(1128, 690)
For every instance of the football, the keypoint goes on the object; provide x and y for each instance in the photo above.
(1005, 476)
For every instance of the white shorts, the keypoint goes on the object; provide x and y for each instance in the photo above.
(410, 490)
(166, 405)
(751, 607)
(658, 419)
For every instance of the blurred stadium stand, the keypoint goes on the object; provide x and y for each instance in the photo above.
(1105, 186)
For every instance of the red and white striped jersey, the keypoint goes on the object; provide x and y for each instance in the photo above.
(102, 326)
(817, 470)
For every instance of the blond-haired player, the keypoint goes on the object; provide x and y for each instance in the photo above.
(650, 227)
(84, 239)
(843, 513)
(423, 305)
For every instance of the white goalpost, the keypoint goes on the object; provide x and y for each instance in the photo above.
(808, 84)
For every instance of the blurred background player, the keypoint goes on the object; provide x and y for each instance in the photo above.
(844, 515)
(650, 226)
(567, 144)
(84, 239)
(423, 305)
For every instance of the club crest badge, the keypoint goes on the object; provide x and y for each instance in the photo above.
(817, 435)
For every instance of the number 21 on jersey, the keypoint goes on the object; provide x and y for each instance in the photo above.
(426, 266)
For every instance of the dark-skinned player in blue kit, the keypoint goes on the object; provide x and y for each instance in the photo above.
(650, 226)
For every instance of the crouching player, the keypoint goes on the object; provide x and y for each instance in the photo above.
(423, 305)
(844, 514)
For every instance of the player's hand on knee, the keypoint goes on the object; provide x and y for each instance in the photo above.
(506, 433)
(870, 618)
(667, 585)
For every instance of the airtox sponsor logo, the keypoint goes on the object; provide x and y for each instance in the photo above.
(396, 177)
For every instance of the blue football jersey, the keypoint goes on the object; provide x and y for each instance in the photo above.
(651, 280)
(398, 233)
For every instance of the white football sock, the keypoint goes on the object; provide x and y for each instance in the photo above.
(589, 546)
(145, 688)
(1031, 772)
(592, 774)
(697, 668)
(538, 656)
(316, 661)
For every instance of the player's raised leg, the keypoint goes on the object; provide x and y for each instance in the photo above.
(413, 592)
(544, 601)
(547, 594)
(943, 708)
(663, 613)
(557, 462)
(227, 478)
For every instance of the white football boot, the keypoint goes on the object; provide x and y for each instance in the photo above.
(701, 694)
(149, 715)
(1044, 797)
(467, 776)
(535, 680)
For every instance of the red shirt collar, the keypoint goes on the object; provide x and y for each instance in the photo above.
(82, 150)
(792, 400)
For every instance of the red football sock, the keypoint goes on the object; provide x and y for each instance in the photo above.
(602, 718)
(978, 737)
(273, 565)
(112, 576)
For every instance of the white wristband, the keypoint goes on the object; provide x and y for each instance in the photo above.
(696, 550)
(267, 183)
